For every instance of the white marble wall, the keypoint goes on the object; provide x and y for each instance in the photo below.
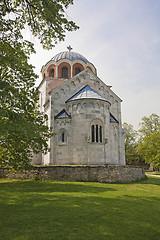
(78, 148)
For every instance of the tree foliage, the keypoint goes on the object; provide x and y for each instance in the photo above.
(149, 124)
(46, 18)
(143, 145)
(149, 141)
(149, 147)
(131, 154)
(23, 130)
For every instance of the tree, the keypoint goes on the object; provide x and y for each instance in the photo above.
(149, 125)
(23, 130)
(150, 148)
(45, 18)
(131, 154)
(149, 142)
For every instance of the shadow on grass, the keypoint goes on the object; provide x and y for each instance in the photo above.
(53, 186)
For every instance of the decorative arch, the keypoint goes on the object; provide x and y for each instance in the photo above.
(72, 84)
(44, 74)
(51, 71)
(111, 99)
(77, 81)
(64, 70)
(56, 95)
(90, 68)
(77, 68)
(62, 91)
(67, 88)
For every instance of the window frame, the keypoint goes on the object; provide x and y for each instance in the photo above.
(77, 70)
(52, 73)
(62, 136)
(96, 131)
(64, 74)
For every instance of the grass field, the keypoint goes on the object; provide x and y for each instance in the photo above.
(153, 172)
(48, 210)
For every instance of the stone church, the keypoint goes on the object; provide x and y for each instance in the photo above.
(83, 111)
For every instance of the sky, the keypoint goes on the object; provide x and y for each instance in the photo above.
(122, 39)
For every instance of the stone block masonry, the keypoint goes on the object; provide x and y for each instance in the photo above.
(103, 174)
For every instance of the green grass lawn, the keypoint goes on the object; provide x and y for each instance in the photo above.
(49, 210)
(153, 172)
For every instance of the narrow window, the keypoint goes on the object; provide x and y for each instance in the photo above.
(92, 130)
(62, 136)
(100, 133)
(77, 70)
(64, 72)
(52, 73)
(96, 133)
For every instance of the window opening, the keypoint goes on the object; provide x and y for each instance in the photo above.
(77, 70)
(64, 72)
(62, 137)
(96, 133)
(52, 73)
(100, 133)
(92, 130)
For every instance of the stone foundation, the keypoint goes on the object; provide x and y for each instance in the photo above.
(104, 174)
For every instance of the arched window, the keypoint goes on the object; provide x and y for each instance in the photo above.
(92, 133)
(64, 72)
(77, 70)
(62, 136)
(97, 134)
(96, 131)
(100, 133)
(52, 73)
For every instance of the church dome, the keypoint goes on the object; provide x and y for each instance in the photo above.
(70, 56)
(66, 65)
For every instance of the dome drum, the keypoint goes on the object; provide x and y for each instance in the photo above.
(66, 65)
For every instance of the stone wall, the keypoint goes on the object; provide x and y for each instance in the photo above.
(105, 174)
(77, 146)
